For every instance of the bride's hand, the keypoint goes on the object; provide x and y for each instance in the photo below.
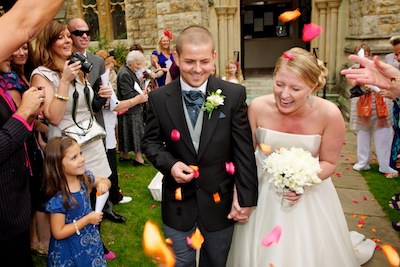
(292, 196)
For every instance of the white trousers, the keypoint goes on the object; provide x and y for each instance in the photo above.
(383, 143)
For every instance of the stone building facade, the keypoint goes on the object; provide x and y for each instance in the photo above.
(346, 23)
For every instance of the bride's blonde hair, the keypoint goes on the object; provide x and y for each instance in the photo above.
(305, 65)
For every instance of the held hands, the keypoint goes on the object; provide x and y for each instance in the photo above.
(239, 214)
(182, 173)
(95, 217)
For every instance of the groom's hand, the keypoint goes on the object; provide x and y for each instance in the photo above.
(182, 173)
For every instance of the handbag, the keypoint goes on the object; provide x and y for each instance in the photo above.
(86, 130)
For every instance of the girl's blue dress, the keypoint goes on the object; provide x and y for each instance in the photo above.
(84, 250)
(396, 137)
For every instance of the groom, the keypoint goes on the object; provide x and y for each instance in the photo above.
(179, 134)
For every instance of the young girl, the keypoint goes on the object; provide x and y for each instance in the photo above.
(74, 239)
(233, 73)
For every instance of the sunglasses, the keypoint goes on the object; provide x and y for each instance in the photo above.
(81, 33)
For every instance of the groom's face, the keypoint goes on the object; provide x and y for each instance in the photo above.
(196, 62)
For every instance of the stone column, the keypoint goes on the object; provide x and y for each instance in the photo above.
(321, 5)
(231, 30)
(222, 35)
(333, 23)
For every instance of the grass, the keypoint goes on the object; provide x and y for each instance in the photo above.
(383, 190)
(126, 239)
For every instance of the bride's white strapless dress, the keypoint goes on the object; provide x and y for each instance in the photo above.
(314, 230)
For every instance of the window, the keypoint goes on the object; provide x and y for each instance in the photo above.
(111, 25)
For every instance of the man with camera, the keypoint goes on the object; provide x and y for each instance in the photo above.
(80, 35)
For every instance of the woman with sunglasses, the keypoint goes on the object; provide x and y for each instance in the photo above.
(61, 82)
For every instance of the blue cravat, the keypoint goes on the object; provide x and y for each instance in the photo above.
(194, 100)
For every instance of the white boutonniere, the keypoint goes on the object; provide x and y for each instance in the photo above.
(213, 100)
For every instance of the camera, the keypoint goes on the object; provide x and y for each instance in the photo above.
(356, 91)
(86, 66)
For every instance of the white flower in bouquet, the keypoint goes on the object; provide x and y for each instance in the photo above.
(292, 169)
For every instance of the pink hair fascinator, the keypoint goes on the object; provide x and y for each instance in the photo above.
(288, 56)
(168, 33)
(310, 31)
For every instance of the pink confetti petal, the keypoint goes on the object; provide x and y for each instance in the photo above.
(310, 31)
(355, 201)
(361, 222)
(273, 237)
(338, 174)
(365, 198)
(230, 168)
(153, 206)
(175, 135)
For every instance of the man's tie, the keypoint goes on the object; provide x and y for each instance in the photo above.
(194, 100)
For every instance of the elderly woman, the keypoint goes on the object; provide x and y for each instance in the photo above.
(130, 123)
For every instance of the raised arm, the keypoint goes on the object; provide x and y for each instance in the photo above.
(23, 21)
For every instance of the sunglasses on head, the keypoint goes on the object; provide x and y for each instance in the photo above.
(80, 32)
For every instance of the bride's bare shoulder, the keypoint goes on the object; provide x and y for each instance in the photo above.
(262, 102)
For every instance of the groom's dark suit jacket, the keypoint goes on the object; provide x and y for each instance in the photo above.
(225, 137)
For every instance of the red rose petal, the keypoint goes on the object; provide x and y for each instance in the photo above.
(175, 135)
(310, 31)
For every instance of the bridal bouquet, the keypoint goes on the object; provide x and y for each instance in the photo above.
(292, 169)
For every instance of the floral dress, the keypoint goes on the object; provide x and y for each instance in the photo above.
(84, 250)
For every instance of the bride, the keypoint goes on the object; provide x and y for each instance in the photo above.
(314, 229)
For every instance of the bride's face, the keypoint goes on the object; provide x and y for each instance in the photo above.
(290, 91)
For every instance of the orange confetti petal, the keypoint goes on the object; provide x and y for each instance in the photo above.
(216, 197)
(194, 167)
(355, 215)
(178, 194)
(347, 168)
(363, 217)
(373, 230)
(265, 149)
(289, 15)
(196, 240)
(155, 247)
(196, 172)
(360, 225)
(391, 255)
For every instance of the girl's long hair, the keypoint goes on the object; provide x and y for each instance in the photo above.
(54, 179)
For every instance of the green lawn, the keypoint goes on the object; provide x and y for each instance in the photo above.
(383, 190)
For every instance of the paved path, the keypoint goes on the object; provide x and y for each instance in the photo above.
(350, 186)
